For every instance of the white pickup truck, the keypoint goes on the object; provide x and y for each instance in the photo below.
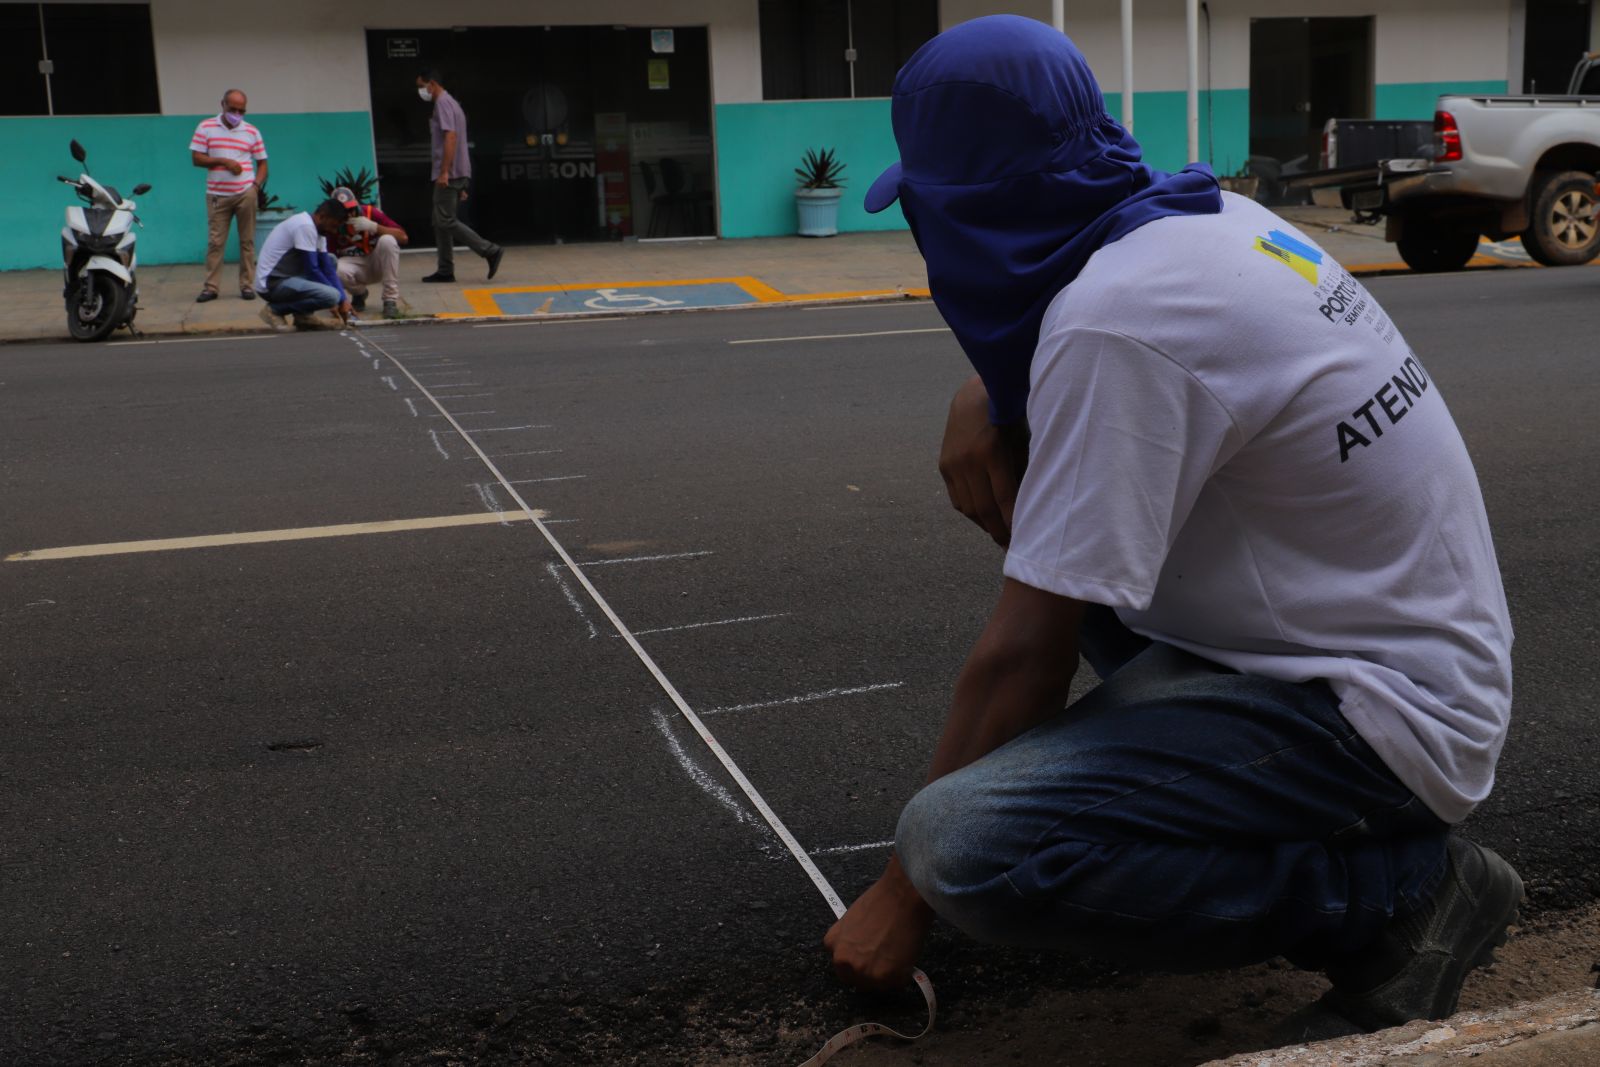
(1502, 166)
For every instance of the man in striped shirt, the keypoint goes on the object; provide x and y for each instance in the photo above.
(235, 161)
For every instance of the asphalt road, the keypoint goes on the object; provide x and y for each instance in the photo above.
(407, 794)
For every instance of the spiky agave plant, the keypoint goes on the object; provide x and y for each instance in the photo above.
(820, 170)
(363, 183)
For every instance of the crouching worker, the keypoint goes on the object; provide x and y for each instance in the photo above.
(297, 275)
(1187, 431)
(368, 250)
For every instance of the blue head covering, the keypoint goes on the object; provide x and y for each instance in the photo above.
(1011, 175)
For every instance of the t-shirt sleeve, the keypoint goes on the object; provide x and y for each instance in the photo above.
(1122, 440)
(200, 142)
(449, 115)
(258, 150)
(307, 239)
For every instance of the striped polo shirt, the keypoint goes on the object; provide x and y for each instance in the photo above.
(242, 143)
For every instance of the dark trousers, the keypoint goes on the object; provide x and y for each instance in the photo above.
(448, 227)
(1181, 816)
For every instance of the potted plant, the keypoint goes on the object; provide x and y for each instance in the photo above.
(363, 183)
(821, 188)
(269, 212)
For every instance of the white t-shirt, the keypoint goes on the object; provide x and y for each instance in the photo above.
(1234, 447)
(283, 254)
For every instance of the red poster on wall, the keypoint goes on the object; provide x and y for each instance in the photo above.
(612, 162)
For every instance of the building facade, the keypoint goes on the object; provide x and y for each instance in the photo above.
(675, 118)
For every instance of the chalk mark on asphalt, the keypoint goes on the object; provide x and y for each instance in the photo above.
(646, 559)
(554, 570)
(823, 886)
(703, 625)
(806, 698)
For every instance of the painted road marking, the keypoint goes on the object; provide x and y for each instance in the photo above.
(461, 396)
(593, 298)
(257, 537)
(535, 452)
(703, 625)
(835, 850)
(806, 698)
(196, 340)
(438, 415)
(836, 336)
(557, 478)
(498, 429)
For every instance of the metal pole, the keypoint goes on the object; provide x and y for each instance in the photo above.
(1193, 19)
(45, 66)
(1058, 14)
(1127, 65)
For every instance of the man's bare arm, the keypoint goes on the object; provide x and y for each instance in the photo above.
(447, 156)
(1017, 676)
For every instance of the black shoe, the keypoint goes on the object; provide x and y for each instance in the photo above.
(206, 296)
(247, 294)
(359, 302)
(1415, 968)
(494, 260)
(440, 276)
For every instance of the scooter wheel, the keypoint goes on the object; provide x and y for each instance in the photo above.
(95, 306)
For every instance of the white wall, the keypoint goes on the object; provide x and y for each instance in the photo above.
(1415, 40)
(311, 55)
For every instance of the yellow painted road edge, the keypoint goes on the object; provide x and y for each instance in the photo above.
(257, 537)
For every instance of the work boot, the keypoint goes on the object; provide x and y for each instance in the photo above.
(358, 301)
(1417, 965)
(439, 276)
(391, 310)
(279, 323)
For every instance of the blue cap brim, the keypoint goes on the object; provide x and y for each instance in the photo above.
(884, 191)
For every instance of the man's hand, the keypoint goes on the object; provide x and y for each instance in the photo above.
(344, 310)
(442, 179)
(232, 165)
(981, 463)
(875, 944)
(362, 224)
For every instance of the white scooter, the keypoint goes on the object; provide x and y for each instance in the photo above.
(98, 257)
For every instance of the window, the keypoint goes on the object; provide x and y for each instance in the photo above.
(825, 49)
(77, 59)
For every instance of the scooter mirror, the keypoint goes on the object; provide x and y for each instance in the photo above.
(141, 188)
(78, 153)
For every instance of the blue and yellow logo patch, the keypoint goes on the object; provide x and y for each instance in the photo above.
(1294, 254)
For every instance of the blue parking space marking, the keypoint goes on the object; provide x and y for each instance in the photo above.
(612, 300)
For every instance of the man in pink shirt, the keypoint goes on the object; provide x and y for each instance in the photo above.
(235, 161)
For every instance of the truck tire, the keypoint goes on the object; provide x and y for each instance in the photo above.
(1562, 231)
(1428, 247)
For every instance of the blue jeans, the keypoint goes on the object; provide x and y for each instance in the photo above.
(300, 296)
(1181, 816)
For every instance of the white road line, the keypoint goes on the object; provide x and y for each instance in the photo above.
(195, 340)
(498, 429)
(806, 698)
(388, 379)
(702, 625)
(260, 537)
(836, 336)
(557, 478)
(644, 559)
(543, 322)
(438, 444)
(872, 305)
(535, 452)
(490, 412)
(823, 886)
(837, 849)
(554, 570)
(412, 406)
(461, 396)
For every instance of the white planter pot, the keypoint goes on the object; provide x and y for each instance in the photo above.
(818, 210)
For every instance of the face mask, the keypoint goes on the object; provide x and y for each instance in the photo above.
(231, 119)
(422, 91)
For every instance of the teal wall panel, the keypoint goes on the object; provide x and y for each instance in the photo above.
(126, 150)
(1415, 100)
(759, 145)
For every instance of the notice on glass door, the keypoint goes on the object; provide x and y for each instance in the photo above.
(658, 75)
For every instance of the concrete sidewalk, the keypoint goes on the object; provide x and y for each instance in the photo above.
(618, 277)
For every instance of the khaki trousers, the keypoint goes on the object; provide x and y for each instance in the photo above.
(220, 211)
(383, 265)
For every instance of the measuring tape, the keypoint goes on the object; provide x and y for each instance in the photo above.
(844, 1038)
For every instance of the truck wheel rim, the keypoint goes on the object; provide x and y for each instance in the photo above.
(1571, 219)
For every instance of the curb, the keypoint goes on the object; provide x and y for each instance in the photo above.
(1559, 1031)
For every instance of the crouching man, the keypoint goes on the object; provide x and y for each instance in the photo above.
(368, 250)
(1186, 430)
(296, 274)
